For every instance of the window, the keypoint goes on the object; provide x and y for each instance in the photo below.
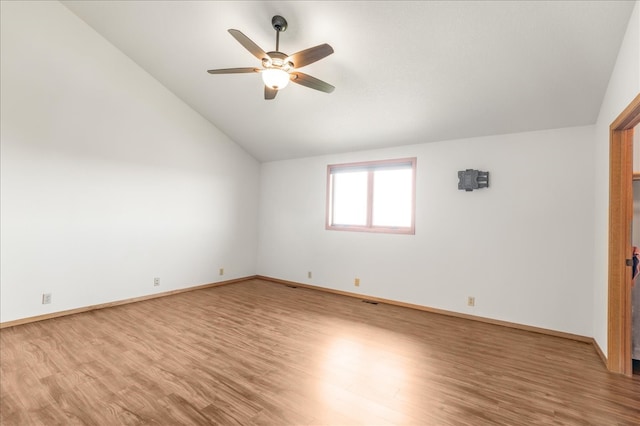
(375, 196)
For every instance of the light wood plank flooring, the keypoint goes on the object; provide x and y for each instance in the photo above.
(259, 353)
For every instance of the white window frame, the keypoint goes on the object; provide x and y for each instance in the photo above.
(371, 167)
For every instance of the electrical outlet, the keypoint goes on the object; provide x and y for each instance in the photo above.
(309, 275)
(356, 282)
(46, 298)
(221, 272)
(156, 282)
(471, 301)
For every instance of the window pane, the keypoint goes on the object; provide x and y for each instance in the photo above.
(350, 198)
(392, 197)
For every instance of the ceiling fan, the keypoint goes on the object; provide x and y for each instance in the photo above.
(279, 68)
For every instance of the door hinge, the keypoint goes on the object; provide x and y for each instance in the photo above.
(628, 262)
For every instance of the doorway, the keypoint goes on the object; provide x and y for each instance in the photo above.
(620, 220)
(635, 240)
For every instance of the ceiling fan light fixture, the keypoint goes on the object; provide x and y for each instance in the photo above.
(275, 78)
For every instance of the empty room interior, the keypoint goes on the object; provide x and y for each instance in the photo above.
(322, 212)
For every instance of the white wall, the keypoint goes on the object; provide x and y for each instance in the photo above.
(522, 247)
(108, 179)
(624, 86)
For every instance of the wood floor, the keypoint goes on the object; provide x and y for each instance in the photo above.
(266, 354)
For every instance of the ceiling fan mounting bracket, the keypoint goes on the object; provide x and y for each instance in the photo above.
(279, 23)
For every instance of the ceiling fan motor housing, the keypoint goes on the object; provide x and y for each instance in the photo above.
(277, 60)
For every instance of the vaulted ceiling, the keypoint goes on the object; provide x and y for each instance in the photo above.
(404, 72)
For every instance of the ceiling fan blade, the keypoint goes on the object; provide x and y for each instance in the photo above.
(233, 70)
(249, 45)
(310, 55)
(269, 93)
(312, 82)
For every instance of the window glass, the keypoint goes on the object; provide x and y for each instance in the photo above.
(350, 198)
(392, 198)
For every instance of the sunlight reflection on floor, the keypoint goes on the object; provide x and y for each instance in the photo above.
(364, 377)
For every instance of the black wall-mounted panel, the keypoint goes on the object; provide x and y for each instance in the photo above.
(470, 179)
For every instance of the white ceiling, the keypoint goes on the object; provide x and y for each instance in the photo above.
(404, 72)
